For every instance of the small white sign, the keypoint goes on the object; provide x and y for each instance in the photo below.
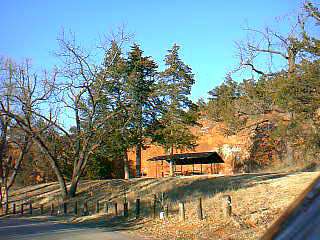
(161, 215)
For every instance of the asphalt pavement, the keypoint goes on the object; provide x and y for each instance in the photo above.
(26, 229)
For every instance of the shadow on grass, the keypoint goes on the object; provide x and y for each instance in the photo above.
(175, 188)
(208, 187)
(312, 167)
(182, 189)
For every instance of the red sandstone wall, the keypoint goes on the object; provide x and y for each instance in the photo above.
(210, 138)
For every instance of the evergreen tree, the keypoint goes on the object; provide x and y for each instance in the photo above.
(222, 105)
(141, 71)
(299, 95)
(115, 136)
(178, 111)
(255, 97)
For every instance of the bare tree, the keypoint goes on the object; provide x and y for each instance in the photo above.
(257, 53)
(11, 164)
(11, 140)
(81, 95)
(30, 104)
(312, 10)
(75, 99)
(311, 13)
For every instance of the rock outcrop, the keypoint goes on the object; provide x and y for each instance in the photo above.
(243, 152)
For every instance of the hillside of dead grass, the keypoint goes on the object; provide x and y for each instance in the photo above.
(257, 200)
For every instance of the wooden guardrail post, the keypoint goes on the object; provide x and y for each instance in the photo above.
(154, 206)
(227, 205)
(85, 209)
(52, 209)
(41, 209)
(106, 207)
(21, 209)
(30, 208)
(7, 209)
(137, 208)
(116, 209)
(125, 209)
(75, 208)
(199, 209)
(182, 214)
(13, 208)
(166, 211)
(65, 208)
(97, 210)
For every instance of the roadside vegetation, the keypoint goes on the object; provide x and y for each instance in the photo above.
(257, 200)
(77, 121)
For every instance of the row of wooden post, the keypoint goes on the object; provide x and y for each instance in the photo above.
(14, 208)
(85, 208)
(52, 208)
(227, 208)
(182, 210)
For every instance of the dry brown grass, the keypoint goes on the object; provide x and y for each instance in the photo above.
(257, 200)
(255, 207)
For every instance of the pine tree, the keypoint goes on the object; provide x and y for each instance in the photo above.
(141, 71)
(222, 105)
(112, 83)
(178, 111)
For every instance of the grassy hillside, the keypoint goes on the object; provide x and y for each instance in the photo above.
(257, 199)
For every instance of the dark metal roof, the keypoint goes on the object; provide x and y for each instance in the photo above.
(190, 158)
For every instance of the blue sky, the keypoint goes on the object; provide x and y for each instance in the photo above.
(205, 29)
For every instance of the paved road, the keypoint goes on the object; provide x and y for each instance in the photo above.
(24, 229)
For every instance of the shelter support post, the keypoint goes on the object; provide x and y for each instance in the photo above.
(181, 159)
(171, 168)
(156, 166)
(193, 167)
(162, 173)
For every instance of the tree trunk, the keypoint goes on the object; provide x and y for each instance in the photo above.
(138, 160)
(7, 199)
(171, 168)
(54, 165)
(1, 197)
(9, 181)
(292, 54)
(14, 173)
(171, 162)
(62, 184)
(3, 146)
(126, 166)
(292, 66)
(77, 172)
(73, 186)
